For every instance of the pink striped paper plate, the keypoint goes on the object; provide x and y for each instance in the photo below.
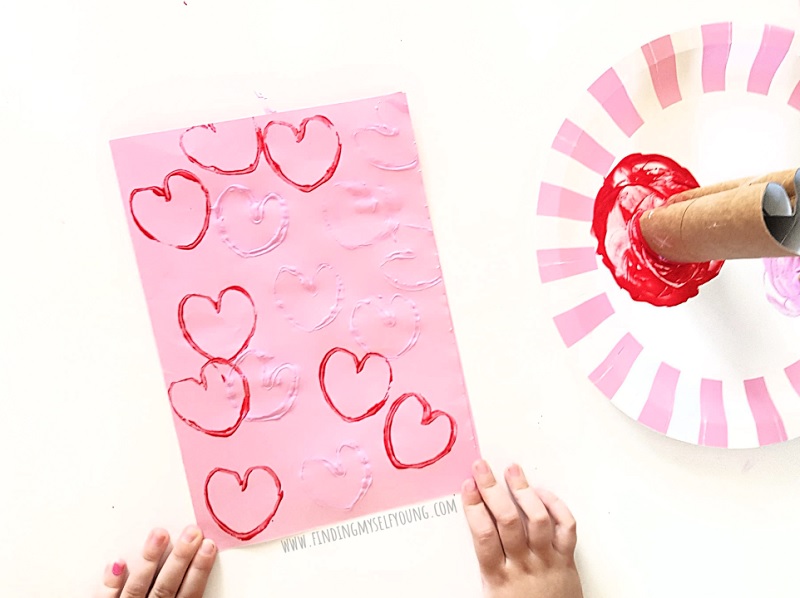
(722, 369)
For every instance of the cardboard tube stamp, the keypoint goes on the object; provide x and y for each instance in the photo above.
(788, 179)
(753, 220)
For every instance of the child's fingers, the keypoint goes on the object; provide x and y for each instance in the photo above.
(540, 526)
(113, 579)
(175, 567)
(141, 576)
(566, 536)
(194, 583)
(484, 533)
(500, 504)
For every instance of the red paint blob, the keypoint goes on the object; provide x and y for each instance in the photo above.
(641, 182)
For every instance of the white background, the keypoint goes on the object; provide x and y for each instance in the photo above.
(88, 452)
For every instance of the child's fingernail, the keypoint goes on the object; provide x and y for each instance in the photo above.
(190, 534)
(515, 471)
(469, 486)
(117, 568)
(207, 548)
(157, 538)
(481, 467)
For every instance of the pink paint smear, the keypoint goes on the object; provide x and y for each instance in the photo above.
(782, 283)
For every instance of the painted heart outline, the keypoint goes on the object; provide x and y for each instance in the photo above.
(389, 318)
(165, 193)
(384, 130)
(269, 379)
(337, 469)
(203, 383)
(392, 267)
(250, 534)
(309, 284)
(257, 207)
(211, 167)
(359, 367)
(428, 417)
(217, 304)
(299, 135)
(367, 203)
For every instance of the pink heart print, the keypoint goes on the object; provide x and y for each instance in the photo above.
(412, 263)
(273, 387)
(220, 328)
(228, 148)
(250, 226)
(309, 303)
(339, 482)
(384, 143)
(359, 215)
(196, 401)
(390, 327)
(243, 506)
(176, 214)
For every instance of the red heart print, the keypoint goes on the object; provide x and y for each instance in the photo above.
(212, 334)
(172, 212)
(312, 157)
(206, 407)
(228, 142)
(342, 379)
(428, 417)
(230, 497)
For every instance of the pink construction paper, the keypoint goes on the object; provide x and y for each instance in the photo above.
(300, 315)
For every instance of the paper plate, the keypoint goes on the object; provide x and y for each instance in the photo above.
(722, 369)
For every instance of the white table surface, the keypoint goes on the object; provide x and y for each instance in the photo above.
(89, 453)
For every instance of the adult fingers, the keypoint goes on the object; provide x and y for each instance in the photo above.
(484, 533)
(500, 504)
(194, 583)
(566, 536)
(539, 525)
(171, 576)
(144, 571)
(113, 580)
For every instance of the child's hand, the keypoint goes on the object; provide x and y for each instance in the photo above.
(162, 570)
(525, 539)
